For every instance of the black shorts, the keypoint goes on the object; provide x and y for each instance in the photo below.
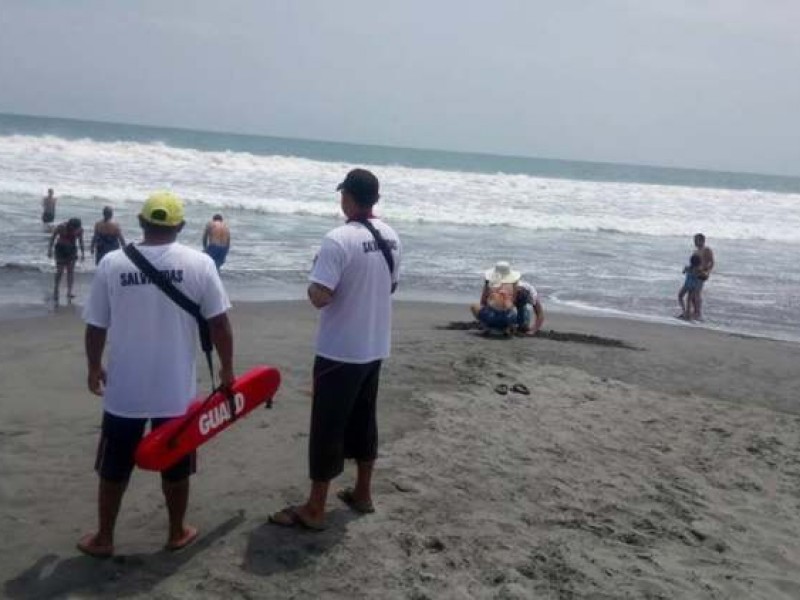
(343, 416)
(65, 254)
(118, 441)
(48, 217)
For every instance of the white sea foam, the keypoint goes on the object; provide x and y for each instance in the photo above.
(117, 172)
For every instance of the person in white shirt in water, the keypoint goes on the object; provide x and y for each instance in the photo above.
(352, 282)
(151, 366)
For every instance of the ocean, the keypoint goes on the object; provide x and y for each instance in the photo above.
(600, 238)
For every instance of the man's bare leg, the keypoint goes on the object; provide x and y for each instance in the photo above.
(109, 499)
(59, 273)
(697, 300)
(313, 511)
(70, 279)
(176, 494)
(362, 492)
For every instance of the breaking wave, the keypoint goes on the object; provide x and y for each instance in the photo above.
(123, 171)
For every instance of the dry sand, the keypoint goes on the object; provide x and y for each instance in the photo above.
(671, 470)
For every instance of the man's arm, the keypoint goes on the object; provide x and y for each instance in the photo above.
(205, 236)
(93, 243)
(539, 321)
(95, 341)
(120, 236)
(222, 338)
(80, 243)
(319, 295)
(326, 273)
(709, 261)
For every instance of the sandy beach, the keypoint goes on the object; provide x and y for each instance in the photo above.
(666, 465)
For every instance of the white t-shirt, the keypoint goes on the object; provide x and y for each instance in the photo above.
(356, 326)
(532, 290)
(152, 342)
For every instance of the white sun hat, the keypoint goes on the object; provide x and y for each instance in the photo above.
(502, 273)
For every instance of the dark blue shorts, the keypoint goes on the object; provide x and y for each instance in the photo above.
(217, 253)
(118, 441)
(497, 319)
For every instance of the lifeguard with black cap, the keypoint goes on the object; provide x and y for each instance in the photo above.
(351, 283)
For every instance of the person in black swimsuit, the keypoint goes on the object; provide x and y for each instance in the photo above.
(107, 236)
(49, 209)
(66, 237)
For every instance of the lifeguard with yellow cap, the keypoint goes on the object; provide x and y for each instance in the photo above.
(150, 373)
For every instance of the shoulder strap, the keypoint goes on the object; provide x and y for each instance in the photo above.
(178, 297)
(382, 245)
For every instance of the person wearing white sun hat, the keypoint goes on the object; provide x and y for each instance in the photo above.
(508, 303)
(496, 310)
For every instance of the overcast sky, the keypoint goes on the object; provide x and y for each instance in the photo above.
(696, 83)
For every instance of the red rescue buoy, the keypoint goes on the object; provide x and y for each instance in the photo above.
(165, 446)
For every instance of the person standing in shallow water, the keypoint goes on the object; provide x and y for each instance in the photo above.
(64, 245)
(49, 209)
(217, 240)
(703, 272)
(107, 236)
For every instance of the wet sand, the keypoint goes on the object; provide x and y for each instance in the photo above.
(664, 467)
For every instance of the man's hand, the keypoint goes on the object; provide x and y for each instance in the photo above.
(97, 381)
(95, 341)
(319, 295)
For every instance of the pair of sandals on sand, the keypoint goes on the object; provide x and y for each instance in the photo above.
(292, 517)
(89, 546)
(517, 388)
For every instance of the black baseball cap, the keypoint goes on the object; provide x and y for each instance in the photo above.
(362, 185)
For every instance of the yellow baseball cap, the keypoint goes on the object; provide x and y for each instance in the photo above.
(163, 208)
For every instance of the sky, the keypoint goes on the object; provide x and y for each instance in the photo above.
(693, 83)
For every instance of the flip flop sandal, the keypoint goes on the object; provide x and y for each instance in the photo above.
(86, 545)
(346, 496)
(501, 389)
(289, 517)
(189, 537)
(520, 388)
